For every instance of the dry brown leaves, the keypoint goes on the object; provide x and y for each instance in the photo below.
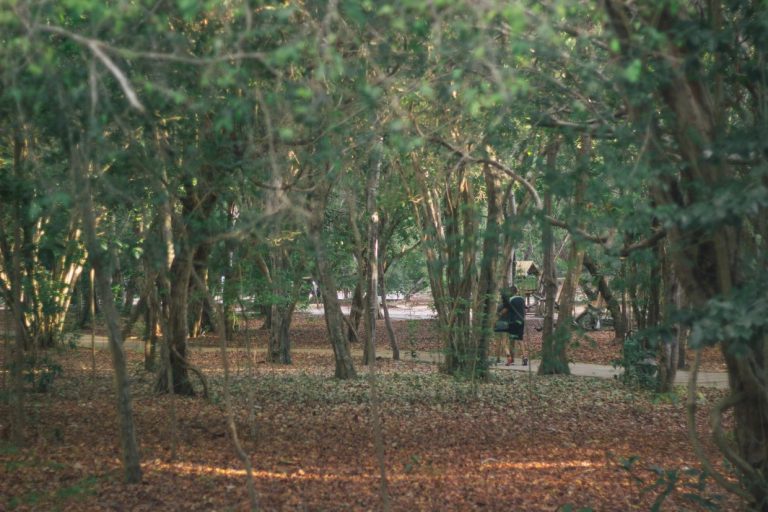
(517, 443)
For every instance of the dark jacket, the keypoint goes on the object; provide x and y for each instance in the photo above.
(512, 309)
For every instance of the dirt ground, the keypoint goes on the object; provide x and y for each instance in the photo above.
(596, 347)
(516, 443)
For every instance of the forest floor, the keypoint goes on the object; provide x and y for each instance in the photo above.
(515, 443)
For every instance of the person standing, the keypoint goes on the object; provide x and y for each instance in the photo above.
(512, 309)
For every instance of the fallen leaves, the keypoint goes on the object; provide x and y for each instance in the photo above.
(516, 443)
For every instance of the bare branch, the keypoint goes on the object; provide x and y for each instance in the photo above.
(693, 435)
(644, 244)
(495, 164)
(96, 48)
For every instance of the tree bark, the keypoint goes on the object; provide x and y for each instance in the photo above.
(488, 282)
(334, 318)
(387, 320)
(283, 305)
(197, 304)
(553, 358)
(130, 447)
(178, 328)
(372, 267)
(709, 259)
(668, 349)
(619, 328)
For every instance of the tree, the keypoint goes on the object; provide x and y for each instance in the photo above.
(697, 104)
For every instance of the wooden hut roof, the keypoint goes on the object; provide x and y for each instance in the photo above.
(526, 267)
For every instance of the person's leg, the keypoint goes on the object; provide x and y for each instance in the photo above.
(511, 357)
(526, 351)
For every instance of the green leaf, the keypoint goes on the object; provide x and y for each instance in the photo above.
(632, 72)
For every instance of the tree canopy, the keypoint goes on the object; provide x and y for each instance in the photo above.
(199, 155)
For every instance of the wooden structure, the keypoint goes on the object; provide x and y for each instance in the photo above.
(526, 277)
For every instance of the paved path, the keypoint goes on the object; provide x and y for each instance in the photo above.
(705, 379)
(412, 312)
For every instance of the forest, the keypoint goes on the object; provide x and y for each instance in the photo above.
(252, 254)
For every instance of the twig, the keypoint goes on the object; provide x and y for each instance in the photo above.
(698, 448)
(219, 324)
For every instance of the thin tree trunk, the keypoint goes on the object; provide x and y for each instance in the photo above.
(18, 423)
(285, 292)
(92, 303)
(279, 333)
(619, 328)
(485, 308)
(387, 320)
(196, 306)
(334, 318)
(356, 307)
(372, 266)
(130, 447)
(668, 350)
(219, 321)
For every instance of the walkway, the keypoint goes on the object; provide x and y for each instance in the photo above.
(705, 379)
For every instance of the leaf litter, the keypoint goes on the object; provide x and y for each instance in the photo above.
(518, 442)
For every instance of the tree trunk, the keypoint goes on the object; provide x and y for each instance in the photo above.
(449, 239)
(372, 266)
(619, 328)
(485, 309)
(387, 320)
(463, 355)
(17, 368)
(553, 357)
(197, 304)
(356, 307)
(151, 316)
(130, 447)
(230, 291)
(668, 349)
(176, 338)
(334, 318)
(279, 335)
(709, 256)
(283, 306)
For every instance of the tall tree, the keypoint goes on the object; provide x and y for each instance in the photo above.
(701, 99)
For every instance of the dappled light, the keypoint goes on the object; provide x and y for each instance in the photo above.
(383, 255)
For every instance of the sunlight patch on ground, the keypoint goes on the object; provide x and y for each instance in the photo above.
(189, 468)
(538, 464)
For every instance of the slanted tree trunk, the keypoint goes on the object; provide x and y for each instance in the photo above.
(357, 305)
(611, 302)
(334, 318)
(384, 306)
(565, 322)
(97, 257)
